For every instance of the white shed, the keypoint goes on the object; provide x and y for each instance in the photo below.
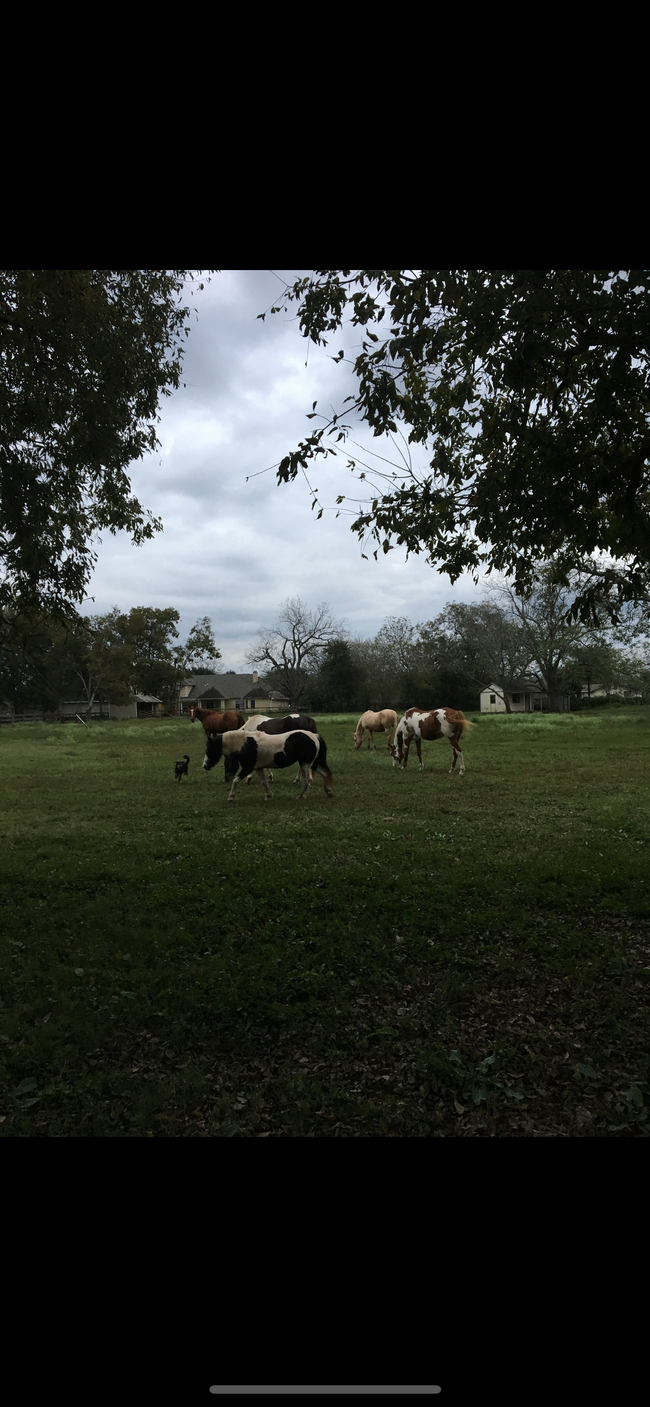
(524, 696)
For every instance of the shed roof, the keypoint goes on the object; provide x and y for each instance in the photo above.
(518, 686)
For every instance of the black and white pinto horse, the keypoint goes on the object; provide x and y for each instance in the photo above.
(289, 724)
(245, 753)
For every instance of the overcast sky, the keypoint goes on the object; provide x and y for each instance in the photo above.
(235, 550)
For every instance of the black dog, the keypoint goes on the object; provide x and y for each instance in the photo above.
(180, 768)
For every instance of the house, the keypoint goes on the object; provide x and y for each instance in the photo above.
(524, 696)
(223, 691)
(598, 691)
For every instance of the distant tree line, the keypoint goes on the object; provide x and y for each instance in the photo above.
(313, 660)
(45, 659)
(449, 659)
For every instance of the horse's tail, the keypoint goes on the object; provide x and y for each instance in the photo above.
(320, 765)
(463, 722)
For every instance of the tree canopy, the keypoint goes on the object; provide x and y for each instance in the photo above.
(45, 659)
(85, 355)
(529, 391)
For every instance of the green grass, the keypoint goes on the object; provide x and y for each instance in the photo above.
(422, 956)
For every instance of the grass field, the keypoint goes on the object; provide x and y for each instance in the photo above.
(424, 955)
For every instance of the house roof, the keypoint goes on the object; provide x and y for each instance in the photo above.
(518, 686)
(228, 686)
(146, 698)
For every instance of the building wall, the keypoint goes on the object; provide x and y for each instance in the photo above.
(528, 702)
(486, 702)
(523, 706)
(246, 705)
(129, 710)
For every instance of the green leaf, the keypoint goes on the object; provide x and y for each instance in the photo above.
(26, 1085)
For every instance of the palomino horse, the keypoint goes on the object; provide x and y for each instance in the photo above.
(425, 725)
(383, 722)
(218, 722)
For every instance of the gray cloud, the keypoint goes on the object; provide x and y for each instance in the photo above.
(232, 549)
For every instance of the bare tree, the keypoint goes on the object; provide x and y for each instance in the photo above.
(294, 643)
(543, 615)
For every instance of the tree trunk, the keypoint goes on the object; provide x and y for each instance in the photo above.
(506, 698)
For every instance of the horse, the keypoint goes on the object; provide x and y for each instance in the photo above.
(218, 722)
(288, 724)
(382, 722)
(252, 724)
(245, 753)
(280, 725)
(273, 726)
(418, 725)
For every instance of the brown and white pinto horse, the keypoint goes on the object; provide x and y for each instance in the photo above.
(214, 722)
(383, 722)
(426, 725)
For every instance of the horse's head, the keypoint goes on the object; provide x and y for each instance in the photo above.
(213, 751)
(193, 713)
(396, 749)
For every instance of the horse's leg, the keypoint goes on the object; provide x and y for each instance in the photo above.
(418, 745)
(305, 772)
(261, 772)
(325, 773)
(407, 744)
(235, 784)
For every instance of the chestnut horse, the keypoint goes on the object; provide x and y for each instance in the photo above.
(418, 725)
(218, 722)
(383, 722)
